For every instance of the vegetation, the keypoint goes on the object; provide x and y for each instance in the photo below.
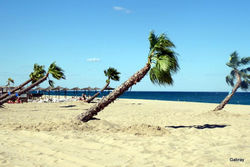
(9, 81)
(54, 70)
(240, 75)
(162, 63)
(112, 74)
(38, 72)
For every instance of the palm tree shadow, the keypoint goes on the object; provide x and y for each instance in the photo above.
(205, 126)
(95, 119)
(68, 106)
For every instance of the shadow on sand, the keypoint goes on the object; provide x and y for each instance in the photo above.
(68, 106)
(205, 126)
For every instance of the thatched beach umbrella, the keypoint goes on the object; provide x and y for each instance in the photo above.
(58, 88)
(48, 89)
(85, 90)
(96, 89)
(7, 88)
(75, 89)
(65, 91)
(39, 89)
(88, 89)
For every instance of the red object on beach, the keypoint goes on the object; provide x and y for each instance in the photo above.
(10, 102)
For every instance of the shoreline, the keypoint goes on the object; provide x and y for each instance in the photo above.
(98, 98)
(204, 97)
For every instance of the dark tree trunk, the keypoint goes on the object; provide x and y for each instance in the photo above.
(105, 101)
(228, 97)
(95, 95)
(15, 89)
(13, 96)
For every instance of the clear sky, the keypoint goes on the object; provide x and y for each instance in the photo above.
(85, 37)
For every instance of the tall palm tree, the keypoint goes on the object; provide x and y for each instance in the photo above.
(54, 70)
(162, 63)
(38, 72)
(111, 73)
(241, 75)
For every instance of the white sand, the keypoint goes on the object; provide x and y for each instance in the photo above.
(129, 133)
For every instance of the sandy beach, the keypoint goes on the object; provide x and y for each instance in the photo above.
(127, 133)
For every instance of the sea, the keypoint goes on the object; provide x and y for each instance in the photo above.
(242, 98)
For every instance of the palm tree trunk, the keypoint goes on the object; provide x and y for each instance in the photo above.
(228, 97)
(95, 95)
(13, 96)
(105, 101)
(15, 89)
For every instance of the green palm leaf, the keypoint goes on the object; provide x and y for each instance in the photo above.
(112, 73)
(245, 60)
(230, 80)
(38, 72)
(56, 71)
(152, 39)
(163, 59)
(244, 85)
(51, 83)
(10, 80)
(235, 62)
(160, 77)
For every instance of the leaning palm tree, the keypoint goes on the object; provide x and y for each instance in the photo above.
(54, 70)
(241, 75)
(38, 72)
(111, 73)
(162, 63)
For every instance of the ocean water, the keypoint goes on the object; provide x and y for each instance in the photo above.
(205, 97)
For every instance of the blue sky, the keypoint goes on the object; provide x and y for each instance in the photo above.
(85, 37)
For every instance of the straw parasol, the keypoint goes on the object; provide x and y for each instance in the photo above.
(96, 89)
(48, 89)
(65, 91)
(87, 89)
(75, 89)
(38, 89)
(58, 88)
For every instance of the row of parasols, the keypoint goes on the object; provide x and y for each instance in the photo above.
(75, 89)
(59, 88)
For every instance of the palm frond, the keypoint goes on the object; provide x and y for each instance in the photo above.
(245, 70)
(244, 60)
(233, 60)
(10, 80)
(112, 73)
(163, 59)
(160, 77)
(230, 80)
(163, 43)
(38, 72)
(244, 85)
(51, 83)
(232, 73)
(152, 39)
(56, 71)
(167, 62)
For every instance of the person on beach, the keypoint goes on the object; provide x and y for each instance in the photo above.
(83, 97)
